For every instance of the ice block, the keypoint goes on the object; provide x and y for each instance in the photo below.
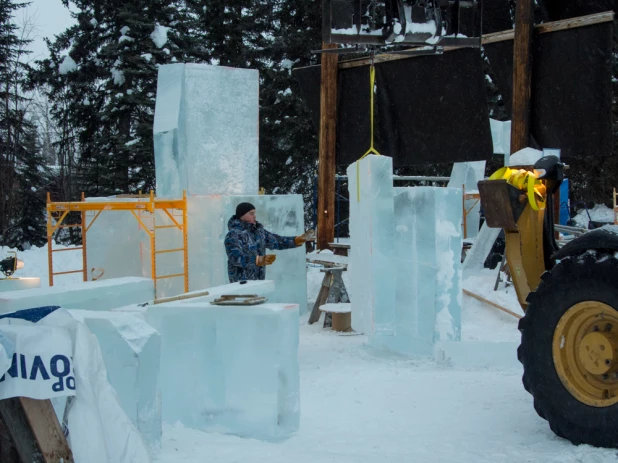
(284, 216)
(206, 130)
(372, 274)
(468, 174)
(230, 369)
(131, 351)
(92, 295)
(428, 270)
(19, 284)
(116, 243)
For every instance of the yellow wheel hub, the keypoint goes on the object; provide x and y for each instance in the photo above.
(585, 352)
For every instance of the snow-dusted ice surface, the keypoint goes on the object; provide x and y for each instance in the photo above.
(372, 245)
(131, 351)
(91, 295)
(206, 130)
(229, 369)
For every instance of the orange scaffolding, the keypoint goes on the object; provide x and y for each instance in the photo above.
(60, 210)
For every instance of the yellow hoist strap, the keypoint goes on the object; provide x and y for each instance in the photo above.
(371, 150)
(525, 181)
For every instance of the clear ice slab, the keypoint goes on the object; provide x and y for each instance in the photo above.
(372, 230)
(468, 175)
(427, 264)
(131, 350)
(230, 369)
(91, 295)
(206, 130)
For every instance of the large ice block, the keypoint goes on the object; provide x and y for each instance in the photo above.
(131, 351)
(468, 175)
(116, 243)
(92, 295)
(428, 270)
(372, 274)
(284, 216)
(206, 129)
(230, 369)
(280, 214)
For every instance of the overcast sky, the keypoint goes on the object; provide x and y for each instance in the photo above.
(50, 18)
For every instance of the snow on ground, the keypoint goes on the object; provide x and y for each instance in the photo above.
(359, 406)
(599, 213)
(363, 406)
(35, 264)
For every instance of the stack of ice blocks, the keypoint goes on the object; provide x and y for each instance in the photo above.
(206, 124)
(405, 266)
(230, 369)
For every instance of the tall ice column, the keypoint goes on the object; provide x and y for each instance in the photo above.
(371, 269)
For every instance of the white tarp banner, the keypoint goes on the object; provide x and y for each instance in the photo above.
(41, 365)
(98, 430)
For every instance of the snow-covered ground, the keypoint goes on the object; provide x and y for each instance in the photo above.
(359, 405)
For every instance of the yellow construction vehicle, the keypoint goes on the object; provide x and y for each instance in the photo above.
(569, 333)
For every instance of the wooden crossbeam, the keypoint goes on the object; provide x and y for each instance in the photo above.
(554, 26)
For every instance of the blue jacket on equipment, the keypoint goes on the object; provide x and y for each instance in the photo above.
(244, 242)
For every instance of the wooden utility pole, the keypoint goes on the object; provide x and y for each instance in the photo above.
(328, 139)
(522, 75)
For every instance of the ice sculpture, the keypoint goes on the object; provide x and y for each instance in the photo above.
(230, 369)
(468, 174)
(372, 230)
(131, 351)
(206, 130)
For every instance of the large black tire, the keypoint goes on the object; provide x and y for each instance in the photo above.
(592, 276)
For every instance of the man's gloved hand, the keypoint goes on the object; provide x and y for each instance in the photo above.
(309, 235)
(262, 261)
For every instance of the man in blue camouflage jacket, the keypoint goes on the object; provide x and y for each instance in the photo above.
(246, 244)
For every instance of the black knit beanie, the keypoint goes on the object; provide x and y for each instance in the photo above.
(243, 208)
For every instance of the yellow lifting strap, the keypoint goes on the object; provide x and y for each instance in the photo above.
(371, 150)
(525, 181)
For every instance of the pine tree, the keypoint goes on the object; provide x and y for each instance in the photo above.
(13, 122)
(102, 73)
(33, 179)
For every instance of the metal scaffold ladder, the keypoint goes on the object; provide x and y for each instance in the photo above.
(144, 212)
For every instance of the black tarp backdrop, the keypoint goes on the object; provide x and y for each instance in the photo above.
(428, 109)
(571, 105)
(434, 109)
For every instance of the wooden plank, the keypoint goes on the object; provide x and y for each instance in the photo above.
(327, 167)
(490, 303)
(35, 431)
(522, 75)
(554, 26)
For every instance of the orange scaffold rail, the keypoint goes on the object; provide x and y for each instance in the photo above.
(60, 210)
